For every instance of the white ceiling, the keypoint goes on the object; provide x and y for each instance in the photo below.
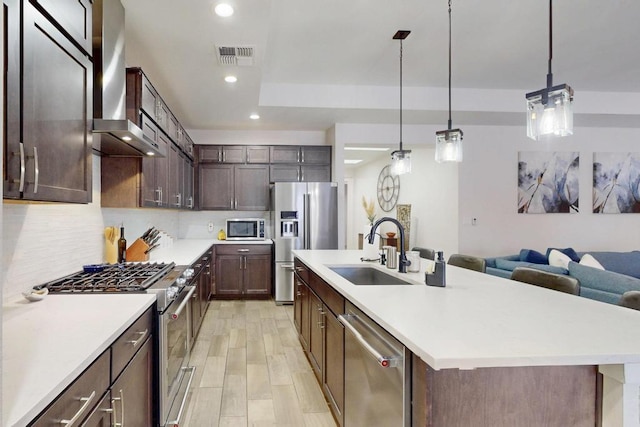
(334, 61)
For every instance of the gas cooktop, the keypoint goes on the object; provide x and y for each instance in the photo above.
(132, 277)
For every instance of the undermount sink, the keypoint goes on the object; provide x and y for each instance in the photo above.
(367, 276)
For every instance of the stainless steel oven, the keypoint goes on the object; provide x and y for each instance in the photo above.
(169, 283)
(175, 374)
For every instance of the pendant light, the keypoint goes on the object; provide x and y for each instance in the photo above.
(449, 142)
(550, 110)
(401, 159)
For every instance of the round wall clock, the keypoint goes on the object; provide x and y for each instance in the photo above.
(388, 189)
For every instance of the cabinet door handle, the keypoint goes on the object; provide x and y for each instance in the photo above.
(115, 415)
(190, 203)
(224, 156)
(243, 250)
(36, 169)
(220, 156)
(22, 167)
(87, 401)
(142, 335)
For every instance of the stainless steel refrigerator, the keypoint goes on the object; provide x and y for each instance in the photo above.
(304, 216)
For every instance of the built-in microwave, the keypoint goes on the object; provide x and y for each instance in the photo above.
(245, 229)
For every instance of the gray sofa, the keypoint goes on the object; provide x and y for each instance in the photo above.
(621, 271)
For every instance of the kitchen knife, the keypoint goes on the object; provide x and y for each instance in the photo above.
(151, 248)
(154, 240)
(152, 235)
(146, 234)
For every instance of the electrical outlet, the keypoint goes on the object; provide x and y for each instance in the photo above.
(474, 221)
(210, 227)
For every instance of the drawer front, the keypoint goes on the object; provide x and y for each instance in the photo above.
(130, 342)
(243, 249)
(301, 270)
(327, 294)
(79, 399)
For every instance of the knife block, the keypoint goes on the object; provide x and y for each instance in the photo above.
(136, 252)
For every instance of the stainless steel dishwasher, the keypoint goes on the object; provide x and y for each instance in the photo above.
(377, 386)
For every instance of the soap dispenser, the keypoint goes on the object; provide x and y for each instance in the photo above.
(437, 278)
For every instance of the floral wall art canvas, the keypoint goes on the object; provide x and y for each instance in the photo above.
(548, 182)
(616, 182)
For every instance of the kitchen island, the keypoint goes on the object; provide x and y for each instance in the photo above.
(480, 321)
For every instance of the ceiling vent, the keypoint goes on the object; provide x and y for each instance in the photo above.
(236, 55)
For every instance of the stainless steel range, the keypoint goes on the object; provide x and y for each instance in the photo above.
(173, 292)
(158, 278)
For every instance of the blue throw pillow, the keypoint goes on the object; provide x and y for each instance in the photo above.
(529, 255)
(567, 251)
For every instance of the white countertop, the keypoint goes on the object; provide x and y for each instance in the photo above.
(185, 251)
(480, 320)
(47, 344)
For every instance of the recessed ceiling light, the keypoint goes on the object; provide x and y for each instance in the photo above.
(254, 116)
(150, 153)
(351, 161)
(366, 148)
(126, 138)
(230, 79)
(224, 10)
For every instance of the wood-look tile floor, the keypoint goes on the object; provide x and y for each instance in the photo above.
(251, 370)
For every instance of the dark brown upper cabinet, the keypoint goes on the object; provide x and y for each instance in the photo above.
(49, 102)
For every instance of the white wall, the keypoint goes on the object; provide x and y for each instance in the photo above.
(432, 191)
(488, 192)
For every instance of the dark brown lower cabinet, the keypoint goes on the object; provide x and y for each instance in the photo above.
(243, 271)
(333, 381)
(78, 400)
(316, 307)
(503, 397)
(101, 415)
(132, 392)
(316, 339)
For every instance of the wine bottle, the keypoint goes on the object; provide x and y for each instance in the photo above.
(122, 247)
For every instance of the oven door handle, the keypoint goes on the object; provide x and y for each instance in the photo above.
(183, 304)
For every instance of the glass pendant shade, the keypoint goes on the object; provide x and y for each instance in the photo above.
(401, 162)
(449, 145)
(552, 116)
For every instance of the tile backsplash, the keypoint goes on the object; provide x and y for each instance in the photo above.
(42, 242)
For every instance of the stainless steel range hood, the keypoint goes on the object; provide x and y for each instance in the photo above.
(113, 134)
